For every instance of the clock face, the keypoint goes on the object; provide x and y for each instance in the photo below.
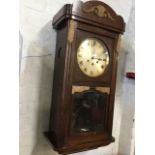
(92, 57)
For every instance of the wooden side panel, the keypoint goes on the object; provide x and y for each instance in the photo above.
(57, 93)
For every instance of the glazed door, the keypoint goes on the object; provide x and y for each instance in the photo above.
(91, 96)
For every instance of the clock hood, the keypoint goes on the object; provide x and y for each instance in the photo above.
(95, 13)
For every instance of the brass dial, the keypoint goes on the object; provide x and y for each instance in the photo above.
(92, 57)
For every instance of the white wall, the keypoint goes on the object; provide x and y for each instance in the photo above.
(36, 75)
(128, 91)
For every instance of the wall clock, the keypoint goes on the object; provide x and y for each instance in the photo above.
(84, 76)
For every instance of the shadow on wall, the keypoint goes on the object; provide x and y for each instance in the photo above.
(36, 78)
(20, 48)
(46, 51)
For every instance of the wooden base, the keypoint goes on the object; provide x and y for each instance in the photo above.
(68, 149)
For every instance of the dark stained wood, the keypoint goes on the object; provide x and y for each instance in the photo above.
(76, 12)
(93, 19)
(73, 148)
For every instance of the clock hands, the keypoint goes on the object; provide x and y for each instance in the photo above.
(99, 59)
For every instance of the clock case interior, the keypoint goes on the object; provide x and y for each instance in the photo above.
(82, 107)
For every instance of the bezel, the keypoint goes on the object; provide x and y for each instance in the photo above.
(105, 52)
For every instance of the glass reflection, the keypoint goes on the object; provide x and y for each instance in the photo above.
(89, 111)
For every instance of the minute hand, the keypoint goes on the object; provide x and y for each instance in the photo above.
(99, 59)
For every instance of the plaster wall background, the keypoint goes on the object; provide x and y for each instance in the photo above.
(36, 76)
(128, 91)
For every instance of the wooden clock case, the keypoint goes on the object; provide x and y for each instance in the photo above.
(92, 19)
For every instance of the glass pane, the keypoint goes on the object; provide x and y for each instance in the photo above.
(88, 111)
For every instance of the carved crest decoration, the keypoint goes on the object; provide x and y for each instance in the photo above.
(99, 11)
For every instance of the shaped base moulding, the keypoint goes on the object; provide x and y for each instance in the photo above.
(68, 149)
